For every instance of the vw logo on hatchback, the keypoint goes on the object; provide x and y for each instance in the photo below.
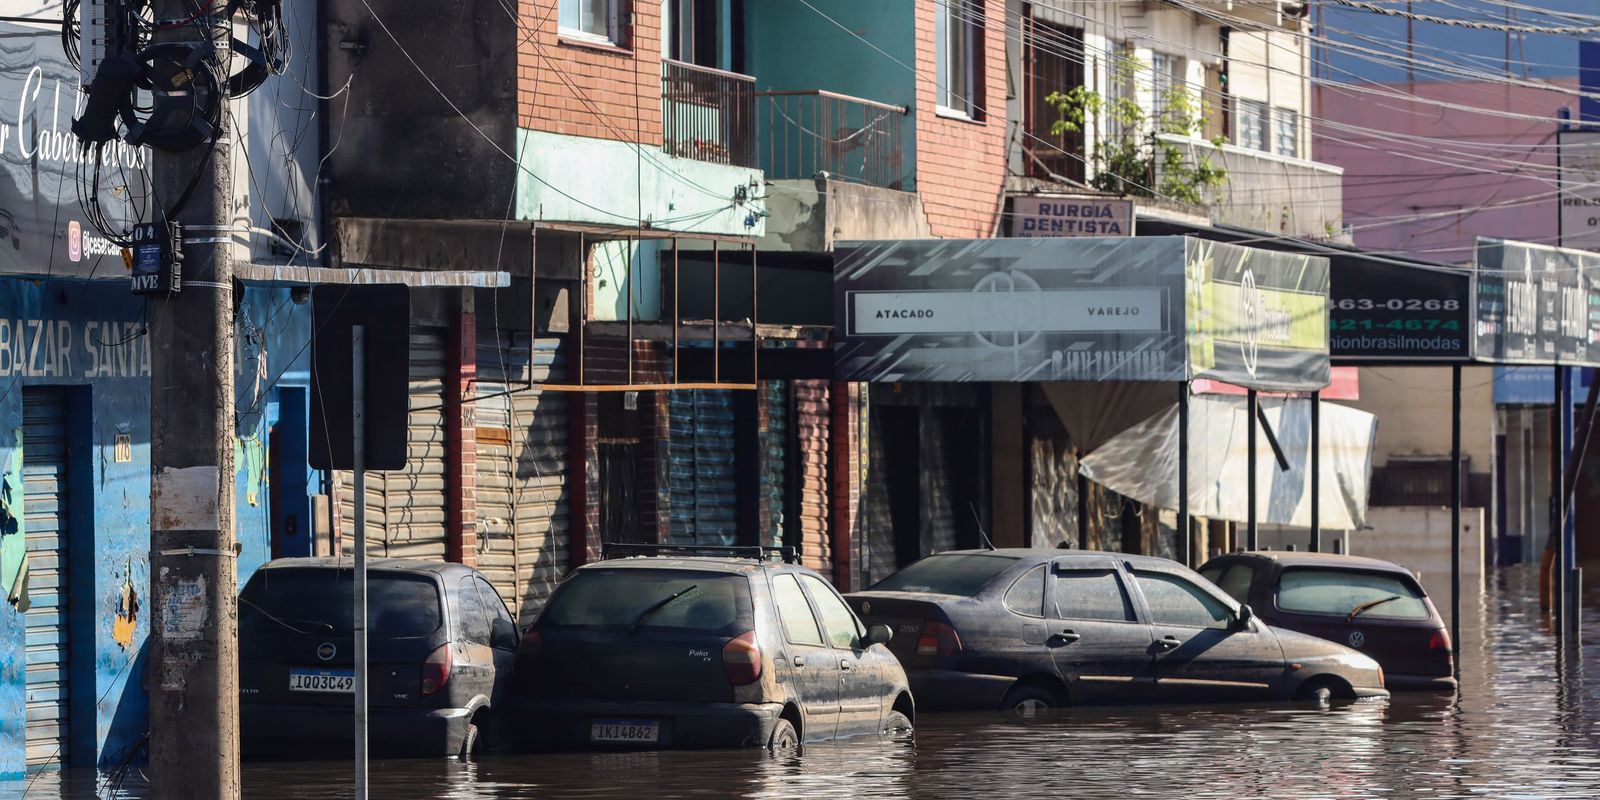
(326, 651)
(1357, 638)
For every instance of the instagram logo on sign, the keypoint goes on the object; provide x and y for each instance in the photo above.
(74, 241)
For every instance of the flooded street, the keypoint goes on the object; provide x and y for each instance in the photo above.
(1524, 727)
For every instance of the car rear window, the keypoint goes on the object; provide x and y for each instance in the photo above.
(1234, 579)
(1337, 591)
(315, 600)
(964, 575)
(711, 602)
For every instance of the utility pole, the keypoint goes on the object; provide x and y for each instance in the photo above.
(193, 678)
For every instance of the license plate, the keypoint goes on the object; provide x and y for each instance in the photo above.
(624, 730)
(334, 681)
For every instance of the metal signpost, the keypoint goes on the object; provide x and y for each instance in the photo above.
(358, 619)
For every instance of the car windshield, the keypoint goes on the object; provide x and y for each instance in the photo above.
(1378, 595)
(963, 575)
(320, 600)
(649, 598)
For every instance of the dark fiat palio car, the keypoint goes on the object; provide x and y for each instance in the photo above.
(1025, 630)
(698, 647)
(1373, 606)
(440, 647)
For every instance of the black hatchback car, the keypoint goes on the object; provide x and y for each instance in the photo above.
(697, 647)
(440, 649)
(1374, 606)
(1026, 630)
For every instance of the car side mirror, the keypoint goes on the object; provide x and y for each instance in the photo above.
(503, 634)
(878, 634)
(1241, 618)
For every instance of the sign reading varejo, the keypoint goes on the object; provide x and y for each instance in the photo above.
(1071, 216)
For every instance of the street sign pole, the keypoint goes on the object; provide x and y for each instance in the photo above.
(358, 435)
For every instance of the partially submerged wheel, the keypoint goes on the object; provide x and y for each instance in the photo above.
(1321, 691)
(896, 724)
(1028, 701)
(784, 739)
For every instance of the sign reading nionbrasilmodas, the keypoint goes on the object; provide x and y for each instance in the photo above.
(1019, 310)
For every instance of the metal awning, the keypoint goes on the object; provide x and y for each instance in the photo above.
(287, 275)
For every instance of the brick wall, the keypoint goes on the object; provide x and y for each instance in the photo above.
(961, 165)
(844, 446)
(577, 88)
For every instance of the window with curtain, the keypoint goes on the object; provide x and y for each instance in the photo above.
(591, 19)
(958, 33)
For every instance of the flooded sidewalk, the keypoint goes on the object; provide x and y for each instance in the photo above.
(1524, 726)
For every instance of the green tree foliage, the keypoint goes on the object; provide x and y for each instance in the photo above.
(1127, 157)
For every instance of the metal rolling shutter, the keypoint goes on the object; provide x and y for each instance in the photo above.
(44, 503)
(406, 509)
(813, 418)
(774, 460)
(704, 504)
(521, 471)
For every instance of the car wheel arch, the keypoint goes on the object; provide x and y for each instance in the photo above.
(796, 717)
(1340, 687)
(1045, 681)
(904, 704)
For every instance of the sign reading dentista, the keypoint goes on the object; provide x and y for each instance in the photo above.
(1035, 216)
(1070, 309)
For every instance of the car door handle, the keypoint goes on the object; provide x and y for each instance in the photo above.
(1168, 642)
(1066, 637)
(845, 665)
(799, 661)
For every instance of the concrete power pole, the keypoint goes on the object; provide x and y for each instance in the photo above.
(193, 679)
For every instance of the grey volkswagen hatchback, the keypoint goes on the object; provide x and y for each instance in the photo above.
(440, 647)
(661, 646)
(1026, 630)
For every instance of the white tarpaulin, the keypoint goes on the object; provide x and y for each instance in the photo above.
(1142, 462)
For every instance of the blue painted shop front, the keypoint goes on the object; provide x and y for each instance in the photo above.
(74, 502)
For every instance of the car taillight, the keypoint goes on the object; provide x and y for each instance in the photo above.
(938, 639)
(436, 670)
(741, 657)
(1439, 646)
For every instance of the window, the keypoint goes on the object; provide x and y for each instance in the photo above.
(317, 599)
(652, 598)
(1234, 579)
(799, 625)
(1091, 594)
(1286, 126)
(591, 19)
(1175, 601)
(1026, 596)
(1167, 81)
(491, 600)
(472, 614)
(844, 630)
(958, 56)
(1250, 125)
(1341, 592)
(964, 575)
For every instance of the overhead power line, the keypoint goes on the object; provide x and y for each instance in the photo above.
(1455, 22)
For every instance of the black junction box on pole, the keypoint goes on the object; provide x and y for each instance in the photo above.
(385, 312)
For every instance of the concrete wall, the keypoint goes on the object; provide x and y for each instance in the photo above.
(809, 216)
(96, 348)
(1413, 409)
(1418, 538)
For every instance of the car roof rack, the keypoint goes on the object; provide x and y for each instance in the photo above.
(787, 555)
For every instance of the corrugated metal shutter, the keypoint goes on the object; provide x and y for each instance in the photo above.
(44, 503)
(407, 509)
(521, 471)
(812, 420)
(703, 494)
(774, 460)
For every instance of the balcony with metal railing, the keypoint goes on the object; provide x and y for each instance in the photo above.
(708, 114)
(802, 134)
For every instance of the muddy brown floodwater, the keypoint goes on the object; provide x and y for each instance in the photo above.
(1524, 726)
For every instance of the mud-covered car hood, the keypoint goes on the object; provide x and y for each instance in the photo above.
(1303, 647)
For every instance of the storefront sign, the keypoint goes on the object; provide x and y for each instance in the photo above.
(1033, 216)
(1580, 188)
(43, 230)
(1157, 308)
(1379, 310)
(1535, 386)
(1536, 305)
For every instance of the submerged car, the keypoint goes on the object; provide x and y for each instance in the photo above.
(1026, 630)
(440, 648)
(703, 647)
(1374, 606)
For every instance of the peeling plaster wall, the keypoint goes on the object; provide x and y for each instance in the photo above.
(108, 500)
